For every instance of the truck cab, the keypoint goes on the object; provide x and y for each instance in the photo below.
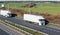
(41, 21)
(8, 15)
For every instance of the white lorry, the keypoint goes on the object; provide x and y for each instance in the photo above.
(5, 13)
(34, 18)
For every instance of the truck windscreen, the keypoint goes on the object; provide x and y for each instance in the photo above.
(41, 19)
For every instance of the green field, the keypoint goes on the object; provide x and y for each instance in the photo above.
(51, 8)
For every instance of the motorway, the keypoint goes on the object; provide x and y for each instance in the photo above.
(6, 30)
(45, 29)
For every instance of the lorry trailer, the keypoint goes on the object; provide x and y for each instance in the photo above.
(40, 20)
(5, 13)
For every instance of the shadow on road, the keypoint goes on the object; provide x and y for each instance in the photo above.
(46, 22)
(13, 15)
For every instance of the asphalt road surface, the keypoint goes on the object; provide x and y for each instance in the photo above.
(45, 29)
(8, 30)
(3, 32)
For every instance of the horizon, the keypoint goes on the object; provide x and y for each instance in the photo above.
(29, 0)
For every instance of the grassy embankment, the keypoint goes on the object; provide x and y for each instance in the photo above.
(51, 8)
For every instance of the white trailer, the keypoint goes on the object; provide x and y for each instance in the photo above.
(5, 13)
(34, 18)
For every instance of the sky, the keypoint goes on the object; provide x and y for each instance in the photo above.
(29, 0)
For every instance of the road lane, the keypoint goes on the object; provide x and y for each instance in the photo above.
(3, 32)
(9, 30)
(45, 29)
